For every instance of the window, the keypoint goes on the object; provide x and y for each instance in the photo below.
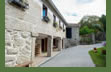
(55, 24)
(44, 10)
(59, 22)
(64, 28)
(69, 32)
(54, 20)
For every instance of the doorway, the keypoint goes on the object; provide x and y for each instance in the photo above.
(44, 45)
(55, 44)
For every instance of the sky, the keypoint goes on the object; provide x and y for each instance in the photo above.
(74, 10)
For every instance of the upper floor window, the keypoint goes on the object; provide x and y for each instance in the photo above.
(64, 28)
(55, 24)
(59, 23)
(54, 20)
(44, 10)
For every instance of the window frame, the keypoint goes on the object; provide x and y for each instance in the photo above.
(46, 10)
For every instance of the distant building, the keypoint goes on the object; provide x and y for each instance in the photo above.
(72, 35)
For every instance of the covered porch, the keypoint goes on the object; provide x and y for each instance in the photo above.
(45, 47)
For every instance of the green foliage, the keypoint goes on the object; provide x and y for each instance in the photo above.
(103, 20)
(55, 24)
(97, 27)
(89, 20)
(90, 24)
(86, 30)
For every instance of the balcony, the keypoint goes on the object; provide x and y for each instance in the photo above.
(46, 19)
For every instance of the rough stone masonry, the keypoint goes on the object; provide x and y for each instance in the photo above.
(18, 47)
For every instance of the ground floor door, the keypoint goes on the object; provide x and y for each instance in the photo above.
(44, 45)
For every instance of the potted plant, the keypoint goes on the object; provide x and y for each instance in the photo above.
(55, 24)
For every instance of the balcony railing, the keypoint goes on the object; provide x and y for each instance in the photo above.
(46, 19)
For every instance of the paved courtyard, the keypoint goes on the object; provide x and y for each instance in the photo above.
(72, 57)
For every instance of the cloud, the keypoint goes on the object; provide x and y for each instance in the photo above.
(74, 10)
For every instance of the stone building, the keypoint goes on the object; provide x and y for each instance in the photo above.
(32, 28)
(72, 35)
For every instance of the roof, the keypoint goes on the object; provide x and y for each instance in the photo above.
(73, 25)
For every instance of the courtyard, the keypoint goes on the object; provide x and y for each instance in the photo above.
(76, 56)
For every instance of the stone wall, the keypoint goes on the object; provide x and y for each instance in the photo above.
(75, 33)
(18, 28)
(30, 19)
(75, 38)
(17, 47)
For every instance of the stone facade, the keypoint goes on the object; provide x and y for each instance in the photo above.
(31, 19)
(69, 42)
(23, 28)
(18, 47)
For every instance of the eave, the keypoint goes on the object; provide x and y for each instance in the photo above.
(53, 8)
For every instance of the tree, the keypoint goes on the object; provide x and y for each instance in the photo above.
(103, 20)
(91, 25)
(85, 30)
(93, 22)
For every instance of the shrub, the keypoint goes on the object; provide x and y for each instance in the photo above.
(104, 52)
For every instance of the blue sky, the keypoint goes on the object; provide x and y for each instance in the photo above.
(84, 1)
(74, 10)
